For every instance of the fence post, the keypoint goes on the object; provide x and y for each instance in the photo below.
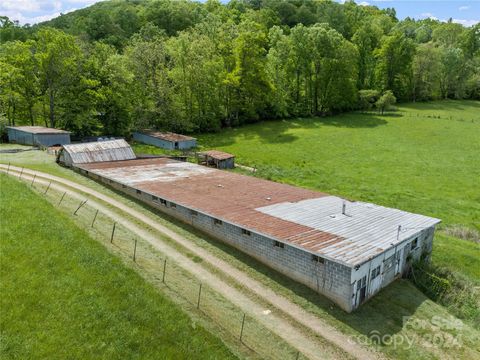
(33, 180)
(135, 250)
(241, 331)
(94, 218)
(8, 168)
(21, 172)
(199, 294)
(164, 269)
(113, 232)
(79, 206)
(62, 198)
(48, 187)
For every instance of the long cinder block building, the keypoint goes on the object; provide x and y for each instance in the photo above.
(345, 250)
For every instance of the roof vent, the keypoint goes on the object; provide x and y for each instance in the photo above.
(268, 198)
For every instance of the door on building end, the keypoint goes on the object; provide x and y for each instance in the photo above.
(361, 290)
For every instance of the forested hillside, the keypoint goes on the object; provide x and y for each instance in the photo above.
(189, 66)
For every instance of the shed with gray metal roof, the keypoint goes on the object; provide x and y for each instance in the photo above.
(37, 135)
(92, 152)
(165, 140)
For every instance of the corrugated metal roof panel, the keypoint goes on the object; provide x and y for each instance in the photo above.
(303, 218)
(168, 136)
(215, 154)
(366, 229)
(38, 130)
(100, 151)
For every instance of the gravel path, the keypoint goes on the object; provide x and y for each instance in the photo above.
(275, 323)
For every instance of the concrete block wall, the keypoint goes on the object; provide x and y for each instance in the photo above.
(329, 278)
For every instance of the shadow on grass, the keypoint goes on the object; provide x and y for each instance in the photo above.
(277, 131)
(384, 313)
(440, 105)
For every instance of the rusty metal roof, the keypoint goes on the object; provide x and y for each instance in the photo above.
(215, 154)
(99, 151)
(168, 136)
(38, 130)
(302, 218)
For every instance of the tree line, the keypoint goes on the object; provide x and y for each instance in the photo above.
(188, 66)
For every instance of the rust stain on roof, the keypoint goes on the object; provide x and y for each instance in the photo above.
(346, 232)
(168, 136)
(227, 196)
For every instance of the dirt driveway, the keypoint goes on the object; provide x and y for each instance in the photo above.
(275, 323)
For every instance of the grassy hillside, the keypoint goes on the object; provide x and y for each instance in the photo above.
(64, 296)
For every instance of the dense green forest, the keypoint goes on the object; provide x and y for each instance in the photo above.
(199, 66)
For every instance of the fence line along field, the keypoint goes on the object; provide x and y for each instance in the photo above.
(63, 296)
(410, 148)
(249, 333)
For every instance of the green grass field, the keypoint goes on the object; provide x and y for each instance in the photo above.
(64, 296)
(406, 159)
(424, 158)
(367, 155)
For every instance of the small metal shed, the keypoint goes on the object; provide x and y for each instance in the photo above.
(37, 135)
(165, 140)
(215, 158)
(112, 150)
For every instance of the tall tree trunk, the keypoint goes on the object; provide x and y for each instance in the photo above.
(297, 95)
(14, 110)
(45, 117)
(30, 112)
(52, 108)
(9, 116)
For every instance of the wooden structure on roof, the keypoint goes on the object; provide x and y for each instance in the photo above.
(217, 159)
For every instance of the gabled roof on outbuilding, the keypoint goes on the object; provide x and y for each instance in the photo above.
(168, 136)
(112, 150)
(38, 130)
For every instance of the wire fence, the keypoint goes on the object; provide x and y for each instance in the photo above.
(165, 272)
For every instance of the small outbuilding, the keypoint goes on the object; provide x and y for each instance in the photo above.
(165, 140)
(98, 151)
(217, 159)
(37, 135)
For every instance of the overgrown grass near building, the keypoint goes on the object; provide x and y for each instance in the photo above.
(64, 296)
